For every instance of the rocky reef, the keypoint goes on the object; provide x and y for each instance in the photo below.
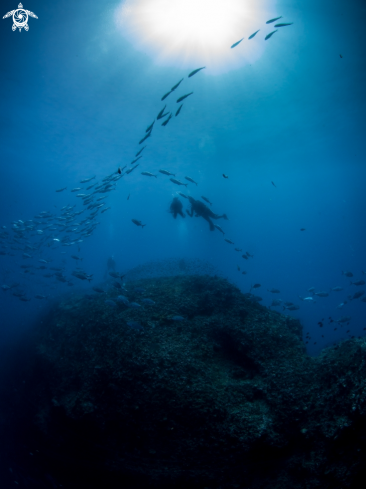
(202, 389)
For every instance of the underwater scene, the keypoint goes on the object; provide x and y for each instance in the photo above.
(182, 244)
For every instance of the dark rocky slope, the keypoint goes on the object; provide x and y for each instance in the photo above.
(226, 398)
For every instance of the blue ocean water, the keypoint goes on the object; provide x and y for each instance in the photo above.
(287, 129)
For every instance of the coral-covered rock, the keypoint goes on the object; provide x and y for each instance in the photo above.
(224, 397)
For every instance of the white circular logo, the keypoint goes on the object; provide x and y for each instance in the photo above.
(20, 18)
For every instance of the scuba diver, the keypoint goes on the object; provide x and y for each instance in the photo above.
(176, 207)
(201, 210)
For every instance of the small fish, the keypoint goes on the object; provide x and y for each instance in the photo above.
(18, 293)
(131, 169)
(86, 180)
(117, 285)
(99, 290)
(343, 319)
(273, 184)
(76, 189)
(322, 294)
(149, 129)
(238, 249)
(183, 195)
(150, 302)
(61, 189)
(269, 35)
(238, 268)
(81, 275)
(358, 294)
(75, 257)
(337, 289)
(245, 257)
(225, 176)
(255, 286)
(191, 180)
(180, 108)
(347, 273)
(148, 174)
(40, 296)
(219, 228)
(177, 85)
(144, 138)
(341, 305)
(141, 150)
(134, 305)
(161, 113)
(114, 274)
(274, 291)
(128, 197)
(196, 71)
(206, 199)
(311, 289)
(111, 303)
(165, 96)
(139, 290)
(136, 159)
(303, 229)
(273, 20)
(123, 299)
(138, 223)
(183, 97)
(340, 56)
(283, 25)
(276, 302)
(291, 308)
(359, 282)
(168, 119)
(236, 43)
(134, 325)
(166, 172)
(228, 241)
(177, 182)
(177, 318)
(244, 273)
(252, 35)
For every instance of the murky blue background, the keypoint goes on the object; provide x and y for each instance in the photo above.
(76, 98)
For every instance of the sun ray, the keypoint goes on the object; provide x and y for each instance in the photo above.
(187, 32)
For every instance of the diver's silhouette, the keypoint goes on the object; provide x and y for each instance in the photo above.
(201, 210)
